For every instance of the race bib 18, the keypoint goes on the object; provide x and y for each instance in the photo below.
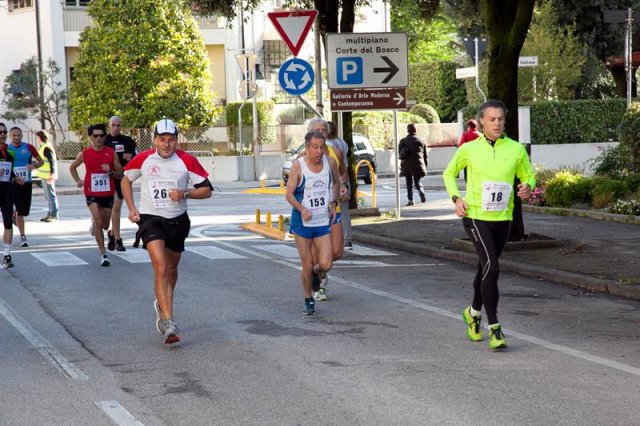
(496, 196)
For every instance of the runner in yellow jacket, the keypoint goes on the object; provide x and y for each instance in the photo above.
(493, 161)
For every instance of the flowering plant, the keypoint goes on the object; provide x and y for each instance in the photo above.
(537, 197)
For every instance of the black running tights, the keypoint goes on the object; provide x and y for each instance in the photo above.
(489, 239)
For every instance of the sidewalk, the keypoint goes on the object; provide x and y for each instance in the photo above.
(594, 255)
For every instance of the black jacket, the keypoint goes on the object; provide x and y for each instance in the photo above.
(413, 153)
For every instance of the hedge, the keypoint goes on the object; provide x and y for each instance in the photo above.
(435, 84)
(377, 126)
(579, 121)
(266, 122)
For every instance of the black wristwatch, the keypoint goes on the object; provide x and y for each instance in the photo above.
(454, 198)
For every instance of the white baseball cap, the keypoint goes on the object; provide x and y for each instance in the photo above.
(165, 125)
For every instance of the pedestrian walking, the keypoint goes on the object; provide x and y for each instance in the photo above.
(48, 174)
(412, 151)
(470, 134)
(493, 161)
(26, 159)
(126, 149)
(310, 189)
(101, 165)
(161, 215)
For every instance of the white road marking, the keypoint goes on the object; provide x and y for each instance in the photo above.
(58, 258)
(43, 346)
(214, 253)
(367, 251)
(118, 414)
(133, 255)
(279, 249)
(531, 339)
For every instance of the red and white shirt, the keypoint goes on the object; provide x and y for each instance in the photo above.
(160, 175)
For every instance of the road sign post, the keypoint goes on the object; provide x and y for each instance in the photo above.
(475, 49)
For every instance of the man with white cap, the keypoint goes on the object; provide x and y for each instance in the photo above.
(161, 215)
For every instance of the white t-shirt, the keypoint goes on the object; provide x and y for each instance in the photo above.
(159, 175)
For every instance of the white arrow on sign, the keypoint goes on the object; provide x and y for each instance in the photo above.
(398, 98)
(467, 72)
(306, 78)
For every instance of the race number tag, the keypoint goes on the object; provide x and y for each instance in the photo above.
(316, 203)
(22, 172)
(5, 171)
(159, 189)
(119, 148)
(496, 196)
(100, 182)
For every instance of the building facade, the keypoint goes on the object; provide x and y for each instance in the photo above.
(60, 23)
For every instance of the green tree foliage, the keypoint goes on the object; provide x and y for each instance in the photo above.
(431, 40)
(265, 122)
(560, 58)
(22, 97)
(603, 40)
(435, 84)
(142, 60)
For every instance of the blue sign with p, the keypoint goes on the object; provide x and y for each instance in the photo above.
(349, 70)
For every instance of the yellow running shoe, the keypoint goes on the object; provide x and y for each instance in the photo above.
(496, 337)
(474, 325)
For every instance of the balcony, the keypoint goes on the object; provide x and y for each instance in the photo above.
(77, 19)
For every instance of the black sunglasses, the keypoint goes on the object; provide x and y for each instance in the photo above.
(3, 132)
(98, 135)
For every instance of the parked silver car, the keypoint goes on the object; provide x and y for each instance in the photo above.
(362, 151)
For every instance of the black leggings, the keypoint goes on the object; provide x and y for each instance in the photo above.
(489, 239)
(6, 205)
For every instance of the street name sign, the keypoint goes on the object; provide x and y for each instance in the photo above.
(367, 60)
(528, 61)
(468, 72)
(293, 26)
(368, 99)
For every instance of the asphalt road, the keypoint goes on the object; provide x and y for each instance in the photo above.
(79, 344)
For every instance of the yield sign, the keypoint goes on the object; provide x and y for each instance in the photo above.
(293, 26)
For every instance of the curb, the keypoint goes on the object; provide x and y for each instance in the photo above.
(588, 214)
(571, 279)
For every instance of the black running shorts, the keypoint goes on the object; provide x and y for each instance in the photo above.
(22, 198)
(172, 231)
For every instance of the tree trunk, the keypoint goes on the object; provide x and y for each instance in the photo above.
(507, 23)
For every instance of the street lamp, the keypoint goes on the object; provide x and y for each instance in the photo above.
(616, 16)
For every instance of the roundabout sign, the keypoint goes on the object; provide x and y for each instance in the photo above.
(296, 76)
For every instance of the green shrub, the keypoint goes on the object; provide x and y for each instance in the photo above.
(566, 189)
(629, 138)
(265, 122)
(425, 111)
(436, 84)
(632, 183)
(605, 191)
(611, 162)
(378, 126)
(628, 207)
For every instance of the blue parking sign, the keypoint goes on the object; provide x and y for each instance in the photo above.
(349, 70)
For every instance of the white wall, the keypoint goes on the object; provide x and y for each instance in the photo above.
(579, 155)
